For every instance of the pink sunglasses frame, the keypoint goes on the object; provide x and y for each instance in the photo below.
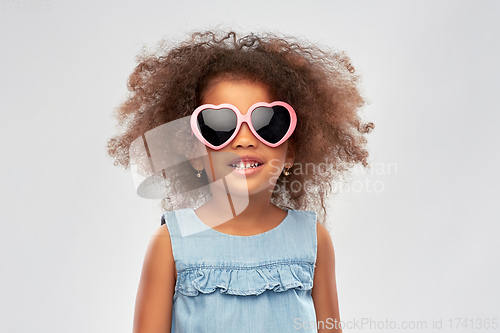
(240, 119)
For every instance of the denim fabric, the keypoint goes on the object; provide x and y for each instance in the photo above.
(227, 283)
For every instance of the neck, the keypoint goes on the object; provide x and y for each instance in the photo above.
(237, 210)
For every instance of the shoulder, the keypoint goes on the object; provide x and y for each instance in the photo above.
(159, 261)
(160, 248)
(159, 253)
(322, 232)
(304, 224)
(160, 240)
(304, 216)
(325, 244)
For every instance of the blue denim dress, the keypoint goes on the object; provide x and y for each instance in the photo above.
(227, 283)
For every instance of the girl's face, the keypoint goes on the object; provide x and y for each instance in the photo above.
(244, 94)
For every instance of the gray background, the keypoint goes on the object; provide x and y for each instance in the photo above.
(415, 240)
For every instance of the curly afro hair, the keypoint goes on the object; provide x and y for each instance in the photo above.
(322, 86)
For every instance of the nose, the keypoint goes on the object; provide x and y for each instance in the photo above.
(245, 138)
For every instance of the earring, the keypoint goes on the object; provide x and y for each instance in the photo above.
(286, 170)
(199, 173)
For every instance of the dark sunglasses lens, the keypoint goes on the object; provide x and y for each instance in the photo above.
(217, 126)
(271, 123)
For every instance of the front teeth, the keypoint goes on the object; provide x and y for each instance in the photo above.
(245, 166)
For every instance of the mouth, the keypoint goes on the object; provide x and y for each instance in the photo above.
(242, 166)
(246, 162)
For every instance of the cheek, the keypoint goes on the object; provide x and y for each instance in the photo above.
(277, 157)
(282, 151)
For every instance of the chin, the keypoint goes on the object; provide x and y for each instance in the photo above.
(240, 187)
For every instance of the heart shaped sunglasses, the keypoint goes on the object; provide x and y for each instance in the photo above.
(217, 125)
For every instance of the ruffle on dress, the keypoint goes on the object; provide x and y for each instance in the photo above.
(245, 281)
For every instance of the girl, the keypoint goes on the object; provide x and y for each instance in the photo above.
(261, 127)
